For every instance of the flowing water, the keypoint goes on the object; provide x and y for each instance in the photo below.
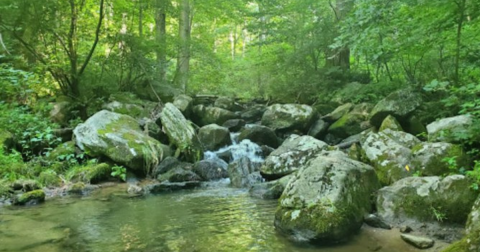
(211, 218)
(214, 218)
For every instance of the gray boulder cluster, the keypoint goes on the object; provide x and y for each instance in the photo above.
(329, 172)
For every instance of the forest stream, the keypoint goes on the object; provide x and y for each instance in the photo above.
(214, 217)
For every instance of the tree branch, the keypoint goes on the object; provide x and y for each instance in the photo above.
(3, 45)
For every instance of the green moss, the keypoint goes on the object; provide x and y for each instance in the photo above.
(90, 173)
(49, 178)
(62, 151)
(390, 123)
(459, 246)
(77, 188)
(32, 196)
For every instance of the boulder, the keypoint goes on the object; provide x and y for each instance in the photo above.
(327, 199)
(213, 137)
(418, 241)
(166, 165)
(184, 103)
(437, 159)
(473, 228)
(254, 113)
(389, 152)
(211, 169)
(420, 199)
(228, 103)
(289, 117)
(452, 129)
(294, 153)
(119, 138)
(179, 174)
(415, 127)
(375, 221)
(399, 104)
(318, 129)
(234, 125)
(243, 173)
(338, 112)
(181, 133)
(61, 112)
(207, 115)
(351, 123)
(260, 135)
(30, 198)
(270, 190)
(391, 123)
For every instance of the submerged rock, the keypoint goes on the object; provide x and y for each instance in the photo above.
(30, 198)
(212, 169)
(271, 189)
(293, 154)
(417, 241)
(243, 173)
(326, 200)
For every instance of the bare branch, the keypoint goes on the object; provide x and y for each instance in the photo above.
(97, 36)
(3, 45)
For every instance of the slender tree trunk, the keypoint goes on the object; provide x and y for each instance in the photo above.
(161, 38)
(341, 56)
(461, 18)
(183, 61)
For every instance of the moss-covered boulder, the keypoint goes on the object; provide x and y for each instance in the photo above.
(433, 199)
(213, 137)
(120, 138)
(7, 139)
(254, 113)
(234, 125)
(227, 103)
(389, 152)
(472, 239)
(62, 152)
(318, 129)
(289, 117)
(184, 103)
(415, 127)
(129, 104)
(351, 123)
(294, 153)
(391, 123)
(399, 104)
(181, 133)
(90, 173)
(453, 129)
(338, 112)
(180, 174)
(30, 198)
(260, 135)
(327, 199)
(437, 159)
(204, 115)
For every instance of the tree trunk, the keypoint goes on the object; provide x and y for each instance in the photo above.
(183, 61)
(461, 18)
(161, 39)
(339, 57)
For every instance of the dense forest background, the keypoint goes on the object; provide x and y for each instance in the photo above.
(290, 51)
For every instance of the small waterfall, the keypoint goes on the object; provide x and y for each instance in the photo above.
(237, 150)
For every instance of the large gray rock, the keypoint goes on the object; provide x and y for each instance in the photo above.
(254, 113)
(452, 129)
(327, 199)
(389, 152)
(289, 117)
(228, 103)
(244, 173)
(351, 123)
(294, 153)
(211, 169)
(448, 199)
(318, 129)
(399, 104)
(473, 228)
(129, 104)
(213, 137)
(207, 115)
(184, 103)
(338, 112)
(260, 135)
(181, 133)
(119, 138)
(430, 158)
(270, 190)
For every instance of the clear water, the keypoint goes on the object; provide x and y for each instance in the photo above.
(214, 218)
